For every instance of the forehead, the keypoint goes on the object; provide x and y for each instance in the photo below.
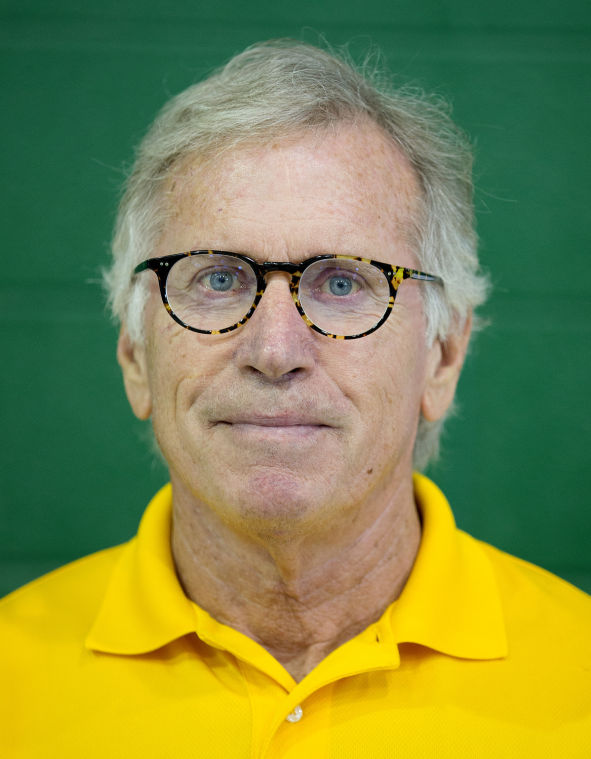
(347, 190)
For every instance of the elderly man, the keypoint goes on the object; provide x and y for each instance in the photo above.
(295, 274)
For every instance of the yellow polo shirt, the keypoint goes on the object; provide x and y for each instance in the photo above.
(483, 655)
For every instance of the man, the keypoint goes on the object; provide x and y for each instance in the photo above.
(295, 274)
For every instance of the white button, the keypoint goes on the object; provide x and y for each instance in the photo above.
(296, 715)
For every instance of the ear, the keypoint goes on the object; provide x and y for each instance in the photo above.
(132, 360)
(444, 365)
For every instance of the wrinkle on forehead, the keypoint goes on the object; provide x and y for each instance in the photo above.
(302, 165)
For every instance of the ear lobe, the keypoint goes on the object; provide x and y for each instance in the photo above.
(132, 360)
(444, 365)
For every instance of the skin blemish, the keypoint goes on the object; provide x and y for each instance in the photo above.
(370, 470)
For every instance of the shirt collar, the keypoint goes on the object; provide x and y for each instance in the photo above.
(144, 606)
(450, 602)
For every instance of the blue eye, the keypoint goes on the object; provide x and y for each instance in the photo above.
(221, 281)
(340, 285)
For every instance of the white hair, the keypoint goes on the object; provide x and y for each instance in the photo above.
(279, 89)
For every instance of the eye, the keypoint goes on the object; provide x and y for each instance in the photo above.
(220, 280)
(338, 283)
(341, 284)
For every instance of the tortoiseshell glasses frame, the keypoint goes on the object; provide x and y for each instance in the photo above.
(394, 276)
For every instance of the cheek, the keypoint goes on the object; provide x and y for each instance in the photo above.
(393, 381)
(171, 358)
(189, 372)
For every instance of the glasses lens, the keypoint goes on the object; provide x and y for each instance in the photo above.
(211, 291)
(344, 297)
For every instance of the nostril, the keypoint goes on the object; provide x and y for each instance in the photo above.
(265, 376)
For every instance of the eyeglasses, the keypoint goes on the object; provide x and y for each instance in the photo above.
(343, 297)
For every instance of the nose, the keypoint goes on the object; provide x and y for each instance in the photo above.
(276, 343)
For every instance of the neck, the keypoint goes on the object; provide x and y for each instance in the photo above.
(299, 596)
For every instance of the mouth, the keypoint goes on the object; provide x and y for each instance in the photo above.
(283, 426)
(273, 422)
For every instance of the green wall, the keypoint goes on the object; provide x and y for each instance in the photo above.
(81, 83)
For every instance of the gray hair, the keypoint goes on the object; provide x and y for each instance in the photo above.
(280, 88)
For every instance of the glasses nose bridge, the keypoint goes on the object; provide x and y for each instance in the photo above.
(285, 266)
(282, 266)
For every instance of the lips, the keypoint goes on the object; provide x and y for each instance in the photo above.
(283, 420)
(275, 413)
(274, 430)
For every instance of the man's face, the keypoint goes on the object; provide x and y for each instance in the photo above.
(274, 427)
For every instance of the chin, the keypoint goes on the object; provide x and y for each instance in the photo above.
(277, 504)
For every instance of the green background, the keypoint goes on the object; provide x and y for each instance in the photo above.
(81, 83)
